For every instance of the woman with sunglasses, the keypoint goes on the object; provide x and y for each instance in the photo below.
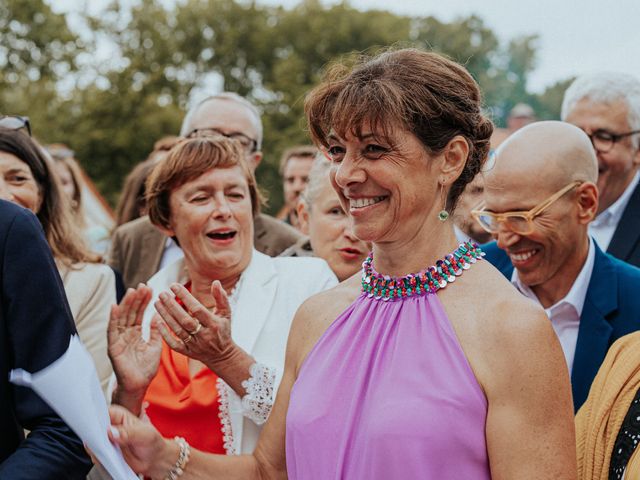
(28, 179)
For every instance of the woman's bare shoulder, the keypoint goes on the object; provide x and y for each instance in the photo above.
(318, 312)
(490, 301)
(497, 326)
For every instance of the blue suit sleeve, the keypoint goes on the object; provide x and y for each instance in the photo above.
(38, 326)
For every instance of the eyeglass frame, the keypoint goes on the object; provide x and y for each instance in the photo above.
(615, 138)
(25, 122)
(252, 146)
(528, 215)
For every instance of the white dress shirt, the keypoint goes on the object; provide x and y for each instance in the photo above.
(604, 225)
(565, 314)
(171, 253)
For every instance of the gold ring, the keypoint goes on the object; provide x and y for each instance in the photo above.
(195, 332)
(187, 340)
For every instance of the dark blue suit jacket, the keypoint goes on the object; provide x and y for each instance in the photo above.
(611, 310)
(625, 243)
(35, 328)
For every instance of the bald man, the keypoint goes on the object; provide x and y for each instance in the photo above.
(540, 196)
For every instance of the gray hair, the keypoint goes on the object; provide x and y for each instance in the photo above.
(230, 96)
(606, 87)
(318, 174)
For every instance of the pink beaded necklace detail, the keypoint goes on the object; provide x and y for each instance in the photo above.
(384, 287)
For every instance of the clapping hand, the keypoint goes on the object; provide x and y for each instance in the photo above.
(194, 330)
(135, 361)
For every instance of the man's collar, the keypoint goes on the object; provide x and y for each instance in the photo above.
(577, 292)
(460, 235)
(612, 215)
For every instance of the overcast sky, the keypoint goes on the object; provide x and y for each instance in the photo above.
(575, 36)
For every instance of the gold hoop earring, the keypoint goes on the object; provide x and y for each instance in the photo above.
(443, 215)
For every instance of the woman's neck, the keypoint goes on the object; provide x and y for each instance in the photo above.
(413, 254)
(201, 285)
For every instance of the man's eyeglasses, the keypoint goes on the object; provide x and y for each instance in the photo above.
(520, 222)
(248, 143)
(15, 122)
(603, 140)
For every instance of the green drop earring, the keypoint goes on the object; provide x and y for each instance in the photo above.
(443, 215)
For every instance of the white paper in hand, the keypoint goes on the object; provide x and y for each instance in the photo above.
(70, 386)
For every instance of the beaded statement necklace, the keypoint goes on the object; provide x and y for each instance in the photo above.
(429, 280)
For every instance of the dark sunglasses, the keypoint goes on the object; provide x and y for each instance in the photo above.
(15, 122)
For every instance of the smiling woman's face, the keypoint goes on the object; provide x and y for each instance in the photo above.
(17, 184)
(331, 235)
(388, 185)
(211, 216)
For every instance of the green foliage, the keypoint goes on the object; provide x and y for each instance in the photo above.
(111, 110)
(547, 105)
(36, 43)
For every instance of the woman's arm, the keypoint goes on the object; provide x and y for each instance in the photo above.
(193, 330)
(205, 335)
(530, 430)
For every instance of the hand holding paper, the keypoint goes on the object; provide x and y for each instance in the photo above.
(70, 386)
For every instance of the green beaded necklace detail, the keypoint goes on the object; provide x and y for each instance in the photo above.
(430, 280)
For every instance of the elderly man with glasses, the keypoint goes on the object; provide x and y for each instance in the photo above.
(540, 196)
(139, 250)
(607, 107)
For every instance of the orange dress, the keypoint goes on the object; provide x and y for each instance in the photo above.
(185, 406)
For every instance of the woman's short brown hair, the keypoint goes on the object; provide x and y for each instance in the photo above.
(188, 160)
(423, 92)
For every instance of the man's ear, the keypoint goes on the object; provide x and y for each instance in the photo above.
(254, 160)
(455, 157)
(587, 195)
(636, 157)
(303, 217)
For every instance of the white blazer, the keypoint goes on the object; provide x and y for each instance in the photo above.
(269, 295)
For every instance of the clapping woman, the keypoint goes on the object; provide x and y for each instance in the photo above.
(224, 310)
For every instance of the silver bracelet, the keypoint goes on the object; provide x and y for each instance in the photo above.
(178, 469)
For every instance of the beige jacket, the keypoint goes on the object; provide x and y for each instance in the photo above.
(599, 419)
(91, 290)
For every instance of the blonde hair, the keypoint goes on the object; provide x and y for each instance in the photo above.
(318, 175)
(62, 155)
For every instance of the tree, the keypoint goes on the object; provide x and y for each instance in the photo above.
(37, 53)
(161, 52)
(547, 104)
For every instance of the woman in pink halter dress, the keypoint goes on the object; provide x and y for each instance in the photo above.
(387, 391)
(390, 375)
